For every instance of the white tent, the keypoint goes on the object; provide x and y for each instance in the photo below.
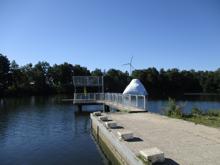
(135, 88)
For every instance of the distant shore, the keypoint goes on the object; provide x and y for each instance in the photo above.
(204, 94)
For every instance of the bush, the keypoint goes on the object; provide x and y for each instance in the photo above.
(213, 113)
(173, 110)
(196, 111)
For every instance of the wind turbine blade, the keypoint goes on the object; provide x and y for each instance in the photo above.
(127, 64)
(131, 59)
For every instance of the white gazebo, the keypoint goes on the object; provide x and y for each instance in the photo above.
(135, 88)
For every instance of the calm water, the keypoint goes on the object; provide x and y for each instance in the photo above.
(44, 130)
(187, 103)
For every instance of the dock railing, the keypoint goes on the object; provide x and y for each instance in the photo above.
(136, 101)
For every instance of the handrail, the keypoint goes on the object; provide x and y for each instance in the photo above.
(137, 101)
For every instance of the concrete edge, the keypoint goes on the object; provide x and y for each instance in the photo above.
(128, 156)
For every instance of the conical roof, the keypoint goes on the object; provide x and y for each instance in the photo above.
(135, 88)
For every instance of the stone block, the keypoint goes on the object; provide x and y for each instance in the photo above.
(111, 124)
(98, 113)
(125, 135)
(103, 118)
(153, 155)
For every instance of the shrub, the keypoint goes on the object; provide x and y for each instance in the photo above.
(213, 113)
(173, 110)
(196, 111)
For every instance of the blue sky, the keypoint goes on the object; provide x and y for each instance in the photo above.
(104, 34)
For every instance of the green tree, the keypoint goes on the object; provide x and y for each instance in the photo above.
(40, 78)
(80, 71)
(4, 73)
(97, 72)
(60, 76)
(116, 80)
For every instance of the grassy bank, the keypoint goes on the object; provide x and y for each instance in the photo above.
(209, 118)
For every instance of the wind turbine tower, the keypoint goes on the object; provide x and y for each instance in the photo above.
(130, 65)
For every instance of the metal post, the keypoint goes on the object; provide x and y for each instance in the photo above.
(129, 99)
(102, 84)
(136, 100)
(86, 81)
(98, 84)
(144, 102)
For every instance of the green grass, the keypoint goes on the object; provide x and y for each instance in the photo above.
(205, 120)
(209, 118)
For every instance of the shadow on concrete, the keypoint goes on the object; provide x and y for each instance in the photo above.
(118, 127)
(167, 162)
(108, 120)
(135, 139)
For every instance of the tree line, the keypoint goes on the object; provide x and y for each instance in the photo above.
(42, 78)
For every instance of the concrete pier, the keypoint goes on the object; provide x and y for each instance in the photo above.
(121, 153)
(181, 142)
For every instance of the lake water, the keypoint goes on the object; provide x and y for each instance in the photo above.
(187, 103)
(44, 131)
(47, 131)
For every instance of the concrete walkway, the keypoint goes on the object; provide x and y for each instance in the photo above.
(182, 142)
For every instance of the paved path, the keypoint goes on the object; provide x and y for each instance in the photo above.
(182, 142)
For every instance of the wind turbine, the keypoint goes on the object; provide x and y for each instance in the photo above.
(130, 64)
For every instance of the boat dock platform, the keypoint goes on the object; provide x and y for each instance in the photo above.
(181, 142)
